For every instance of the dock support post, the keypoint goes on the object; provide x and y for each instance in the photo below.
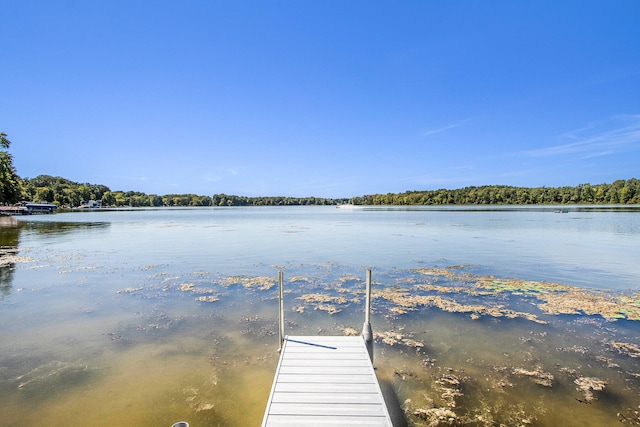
(281, 309)
(367, 332)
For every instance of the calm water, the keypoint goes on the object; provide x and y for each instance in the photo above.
(104, 321)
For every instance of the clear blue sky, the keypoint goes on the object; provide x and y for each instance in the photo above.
(324, 98)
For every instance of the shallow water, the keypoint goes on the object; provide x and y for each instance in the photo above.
(102, 324)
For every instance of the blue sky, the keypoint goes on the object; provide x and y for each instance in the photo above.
(324, 98)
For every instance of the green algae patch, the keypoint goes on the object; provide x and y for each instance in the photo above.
(449, 273)
(583, 301)
(404, 302)
(449, 289)
(550, 298)
(516, 287)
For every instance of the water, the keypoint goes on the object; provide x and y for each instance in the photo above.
(102, 322)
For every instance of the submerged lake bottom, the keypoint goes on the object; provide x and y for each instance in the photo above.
(480, 319)
(451, 347)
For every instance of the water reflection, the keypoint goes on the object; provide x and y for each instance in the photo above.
(9, 241)
(57, 228)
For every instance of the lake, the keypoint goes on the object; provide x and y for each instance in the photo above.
(146, 317)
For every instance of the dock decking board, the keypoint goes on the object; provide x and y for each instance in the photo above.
(325, 381)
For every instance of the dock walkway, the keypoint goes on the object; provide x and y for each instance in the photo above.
(325, 381)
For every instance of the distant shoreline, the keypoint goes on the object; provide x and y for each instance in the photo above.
(69, 194)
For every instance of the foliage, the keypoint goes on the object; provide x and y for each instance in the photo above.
(618, 192)
(230, 200)
(61, 191)
(9, 179)
(45, 188)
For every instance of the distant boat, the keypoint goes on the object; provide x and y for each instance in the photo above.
(346, 206)
(561, 211)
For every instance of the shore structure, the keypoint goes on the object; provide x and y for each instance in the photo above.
(25, 208)
(326, 380)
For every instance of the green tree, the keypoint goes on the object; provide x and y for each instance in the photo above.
(108, 199)
(44, 194)
(10, 189)
(4, 142)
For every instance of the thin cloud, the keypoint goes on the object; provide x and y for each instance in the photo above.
(593, 141)
(443, 129)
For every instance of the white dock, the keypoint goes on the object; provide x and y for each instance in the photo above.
(325, 381)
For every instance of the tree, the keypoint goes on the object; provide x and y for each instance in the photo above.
(10, 190)
(4, 142)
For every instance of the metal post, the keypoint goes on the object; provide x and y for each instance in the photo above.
(281, 310)
(367, 332)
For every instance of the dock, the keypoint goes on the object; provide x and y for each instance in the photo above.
(326, 380)
(13, 210)
(24, 208)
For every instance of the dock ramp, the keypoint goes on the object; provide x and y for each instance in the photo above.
(326, 381)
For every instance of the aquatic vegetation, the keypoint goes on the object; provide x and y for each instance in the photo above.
(322, 298)
(447, 390)
(554, 298)
(349, 278)
(350, 332)
(262, 283)
(627, 349)
(480, 389)
(405, 302)
(329, 308)
(187, 287)
(393, 337)
(195, 400)
(448, 273)
(577, 301)
(208, 298)
(538, 376)
(588, 385)
(437, 416)
(449, 385)
(9, 256)
(193, 288)
(129, 290)
(294, 279)
(633, 419)
(477, 296)
(324, 302)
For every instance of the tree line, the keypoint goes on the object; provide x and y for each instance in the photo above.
(66, 193)
(618, 192)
